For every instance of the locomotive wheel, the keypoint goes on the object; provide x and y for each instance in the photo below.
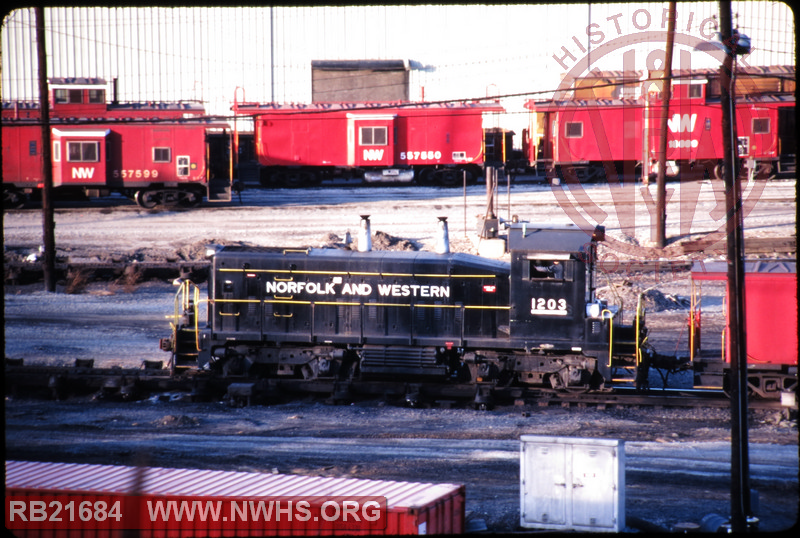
(147, 199)
(576, 389)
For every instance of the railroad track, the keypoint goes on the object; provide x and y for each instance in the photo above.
(152, 379)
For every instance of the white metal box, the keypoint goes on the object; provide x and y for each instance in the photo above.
(572, 484)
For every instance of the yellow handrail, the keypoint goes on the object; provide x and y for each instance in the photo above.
(186, 298)
(610, 333)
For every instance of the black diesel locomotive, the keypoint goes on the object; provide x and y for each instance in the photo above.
(351, 316)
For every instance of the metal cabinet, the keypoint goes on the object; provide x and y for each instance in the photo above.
(572, 484)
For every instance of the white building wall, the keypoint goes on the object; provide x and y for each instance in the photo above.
(458, 52)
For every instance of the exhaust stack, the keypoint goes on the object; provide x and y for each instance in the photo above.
(443, 238)
(364, 235)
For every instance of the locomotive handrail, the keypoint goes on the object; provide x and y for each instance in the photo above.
(357, 273)
(638, 318)
(610, 332)
(184, 302)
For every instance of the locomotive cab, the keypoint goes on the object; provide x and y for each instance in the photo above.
(552, 286)
(554, 311)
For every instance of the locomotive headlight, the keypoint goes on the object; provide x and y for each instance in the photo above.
(593, 310)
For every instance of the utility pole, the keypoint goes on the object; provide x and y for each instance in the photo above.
(48, 221)
(740, 460)
(666, 91)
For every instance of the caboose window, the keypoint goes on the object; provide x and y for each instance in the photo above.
(373, 136)
(574, 129)
(183, 166)
(695, 91)
(62, 95)
(760, 125)
(162, 155)
(82, 152)
(97, 96)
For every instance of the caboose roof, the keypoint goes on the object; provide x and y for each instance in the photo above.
(389, 107)
(76, 82)
(719, 270)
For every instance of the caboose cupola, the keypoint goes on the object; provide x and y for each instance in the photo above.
(80, 95)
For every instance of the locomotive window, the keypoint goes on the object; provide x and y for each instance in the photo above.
(162, 155)
(373, 136)
(183, 166)
(760, 125)
(97, 96)
(547, 270)
(82, 152)
(574, 129)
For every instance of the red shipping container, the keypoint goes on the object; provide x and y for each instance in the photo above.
(407, 508)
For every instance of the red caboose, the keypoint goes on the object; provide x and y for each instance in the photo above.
(586, 139)
(430, 143)
(589, 139)
(154, 153)
(764, 130)
(770, 322)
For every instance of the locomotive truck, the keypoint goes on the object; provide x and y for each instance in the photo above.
(343, 315)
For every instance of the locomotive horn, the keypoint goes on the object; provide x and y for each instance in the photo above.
(364, 235)
(443, 239)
